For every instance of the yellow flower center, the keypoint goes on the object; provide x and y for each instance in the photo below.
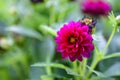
(72, 40)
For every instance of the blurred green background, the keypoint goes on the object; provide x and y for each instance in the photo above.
(27, 37)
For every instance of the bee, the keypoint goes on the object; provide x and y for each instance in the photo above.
(90, 22)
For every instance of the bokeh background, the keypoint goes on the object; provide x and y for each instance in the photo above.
(27, 37)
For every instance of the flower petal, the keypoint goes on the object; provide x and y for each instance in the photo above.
(64, 55)
(73, 58)
(79, 57)
(86, 54)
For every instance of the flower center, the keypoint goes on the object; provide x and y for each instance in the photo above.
(72, 40)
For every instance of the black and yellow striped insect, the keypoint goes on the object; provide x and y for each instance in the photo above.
(90, 22)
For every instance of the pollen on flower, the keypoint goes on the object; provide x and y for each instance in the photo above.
(74, 41)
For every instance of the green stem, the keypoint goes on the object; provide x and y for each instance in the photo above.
(110, 39)
(98, 55)
(98, 58)
(52, 15)
(80, 68)
(84, 66)
(94, 63)
(48, 70)
(61, 15)
(75, 67)
(111, 55)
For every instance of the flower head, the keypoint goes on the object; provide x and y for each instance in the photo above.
(96, 7)
(74, 41)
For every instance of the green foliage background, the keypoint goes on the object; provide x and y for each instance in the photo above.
(27, 37)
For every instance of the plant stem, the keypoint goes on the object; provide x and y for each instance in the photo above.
(98, 58)
(52, 15)
(48, 70)
(110, 39)
(75, 68)
(94, 63)
(61, 15)
(84, 66)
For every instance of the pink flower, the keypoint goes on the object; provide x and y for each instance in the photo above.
(74, 41)
(96, 7)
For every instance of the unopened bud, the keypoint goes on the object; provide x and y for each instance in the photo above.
(118, 19)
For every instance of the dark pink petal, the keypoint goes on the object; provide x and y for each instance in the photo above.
(69, 50)
(86, 54)
(85, 28)
(73, 58)
(91, 47)
(64, 55)
(79, 57)
(75, 50)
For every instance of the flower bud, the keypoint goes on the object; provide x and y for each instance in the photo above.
(118, 19)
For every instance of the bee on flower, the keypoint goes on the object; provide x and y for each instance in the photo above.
(90, 22)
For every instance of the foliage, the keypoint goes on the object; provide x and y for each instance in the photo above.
(28, 49)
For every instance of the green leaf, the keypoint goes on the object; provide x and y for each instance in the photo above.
(4, 75)
(56, 65)
(114, 70)
(46, 47)
(101, 78)
(36, 73)
(96, 72)
(47, 30)
(24, 31)
(15, 62)
(71, 72)
(45, 77)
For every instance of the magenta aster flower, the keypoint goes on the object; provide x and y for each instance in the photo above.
(74, 41)
(96, 7)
